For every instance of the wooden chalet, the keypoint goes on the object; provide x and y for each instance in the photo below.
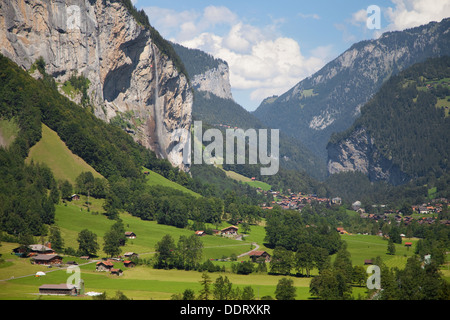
(75, 197)
(33, 249)
(259, 256)
(129, 264)
(58, 289)
(46, 259)
(200, 233)
(104, 266)
(231, 230)
(116, 272)
(130, 235)
(131, 255)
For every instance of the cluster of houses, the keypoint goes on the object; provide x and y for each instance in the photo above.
(39, 254)
(107, 265)
(295, 201)
(433, 207)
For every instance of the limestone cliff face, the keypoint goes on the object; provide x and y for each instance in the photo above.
(358, 152)
(215, 81)
(101, 41)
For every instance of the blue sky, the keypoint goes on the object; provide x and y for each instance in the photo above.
(272, 45)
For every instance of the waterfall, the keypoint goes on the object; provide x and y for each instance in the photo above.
(158, 111)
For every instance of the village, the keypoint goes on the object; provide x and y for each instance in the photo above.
(297, 201)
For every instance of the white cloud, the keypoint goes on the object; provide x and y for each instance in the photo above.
(412, 13)
(260, 59)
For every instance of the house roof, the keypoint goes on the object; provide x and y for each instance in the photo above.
(230, 227)
(46, 257)
(62, 286)
(39, 247)
(257, 253)
(106, 263)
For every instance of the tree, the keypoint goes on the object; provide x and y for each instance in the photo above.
(165, 252)
(66, 189)
(359, 275)
(343, 263)
(189, 252)
(55, 239)
(330, 285)
(205, 291)
(391, 247)
(285, 289)
(87, 243)
(188, 294)
(282, 261)
(248, 293)
(111, 243)
(222, 288)
(305, 258)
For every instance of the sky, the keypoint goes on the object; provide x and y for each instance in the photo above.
(270, 46)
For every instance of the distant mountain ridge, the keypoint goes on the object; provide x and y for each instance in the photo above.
(330, 100)
(403, 132)
(214, 104)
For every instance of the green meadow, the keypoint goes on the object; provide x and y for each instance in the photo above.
(53, 152)
(144, 282)
(155, 179)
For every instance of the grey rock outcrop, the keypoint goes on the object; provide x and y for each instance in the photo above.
(101, 40)
(215, 81)
(358, 152)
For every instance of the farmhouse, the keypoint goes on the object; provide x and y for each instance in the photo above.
(117, 272)
(46, 259)
(130, 235)
(58, 289)
(34, 248)
(129, 264)
(104, 266)
(231, 230)
(131, 255)
(259, 256)
(200, 233)
(75, 197)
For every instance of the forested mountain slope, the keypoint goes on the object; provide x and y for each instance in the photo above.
(403, 133)
(330, 100)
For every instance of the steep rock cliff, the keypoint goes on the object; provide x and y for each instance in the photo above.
(215, 81)
(101, 40)
(358, 152)
(331, 99)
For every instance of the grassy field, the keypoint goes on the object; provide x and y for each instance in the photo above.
(53, 152)
(154, 178)
(256, 184)
(364, 247)
(143, 282)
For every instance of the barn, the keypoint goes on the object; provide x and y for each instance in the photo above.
(58, 289)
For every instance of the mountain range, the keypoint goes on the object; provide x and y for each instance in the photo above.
(106, 56)
(330, 100)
